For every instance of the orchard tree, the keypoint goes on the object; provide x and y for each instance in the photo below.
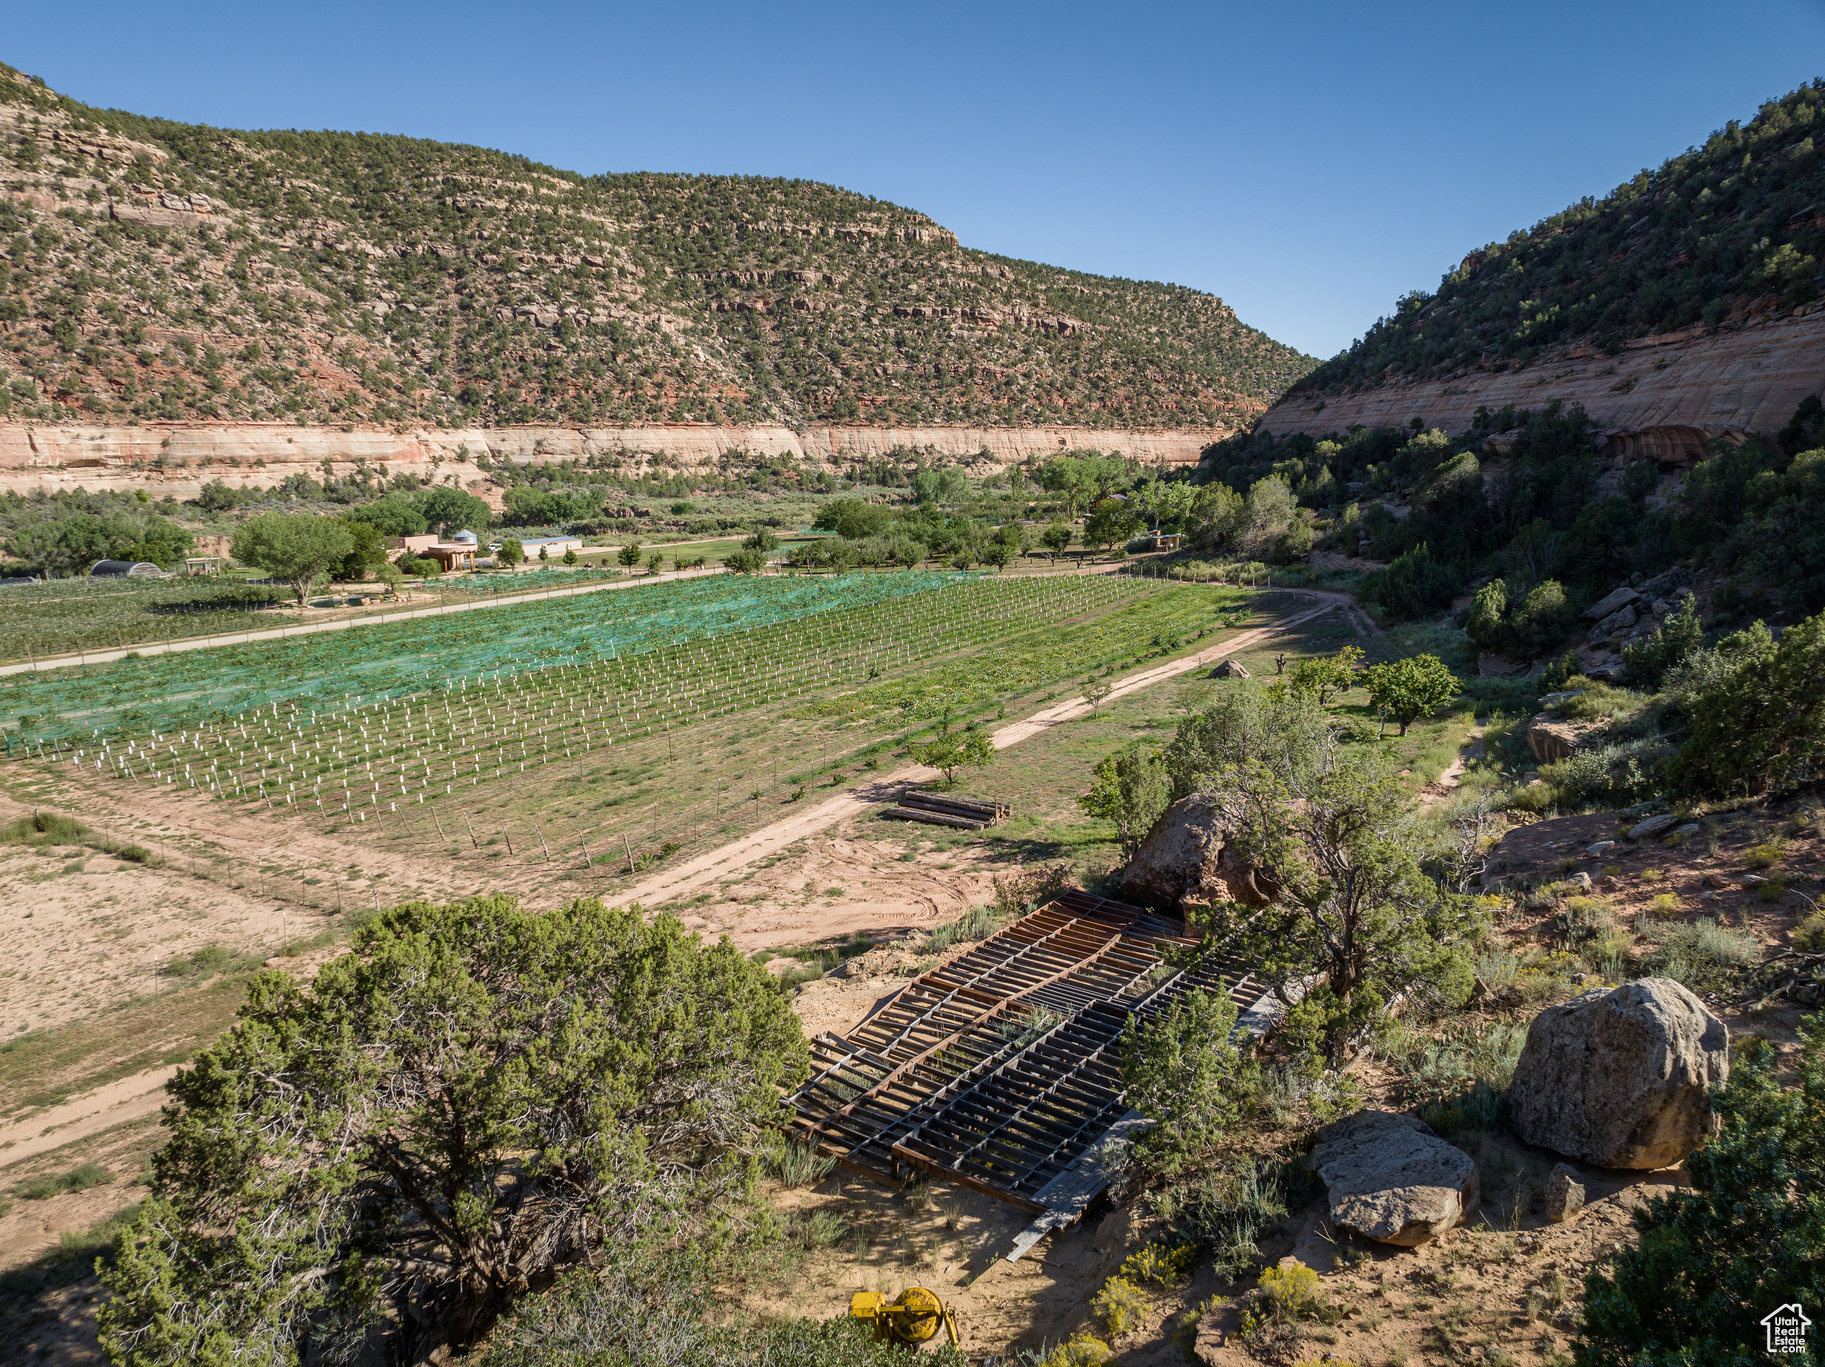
(953, 750)
(510, 554)
(745, 562)
(997, 553)
(299, 548)
(1323, 676)
(763, 541)
(475, 1099)
(629, 555)
(1057, 537)
(1411, 688)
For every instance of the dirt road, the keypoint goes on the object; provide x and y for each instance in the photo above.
(129, 1098)
(706, 870)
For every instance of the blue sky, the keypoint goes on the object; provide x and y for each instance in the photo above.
(1308, 162)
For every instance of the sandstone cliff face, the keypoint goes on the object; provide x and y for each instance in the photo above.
(179, 458)
(1663, 396)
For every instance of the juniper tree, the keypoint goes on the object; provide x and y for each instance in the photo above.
(473, 1100)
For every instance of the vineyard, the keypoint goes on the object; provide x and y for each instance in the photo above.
(335, 671)
(854, 674)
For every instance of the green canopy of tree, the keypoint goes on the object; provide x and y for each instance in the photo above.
(1410, 688)
(740, 562)
(368, 554)
(475, 1099)
(297, 547)
(853, 519)
(394, 515)
(1132, 790)
(451, 510)
(1758, 719)
(1111, 520)
(1183, 1071)
(71, 544)
(950, 751)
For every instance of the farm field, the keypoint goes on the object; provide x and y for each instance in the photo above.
(63, 616)
(671, 745)
(334, 671)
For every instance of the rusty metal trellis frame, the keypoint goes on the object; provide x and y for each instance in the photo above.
(1000, 1070)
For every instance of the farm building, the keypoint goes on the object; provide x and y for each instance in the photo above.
(553, 546)
(452, 555)
(1165, 541)
(125, 569)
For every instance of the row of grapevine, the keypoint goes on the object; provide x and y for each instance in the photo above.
(429, 745)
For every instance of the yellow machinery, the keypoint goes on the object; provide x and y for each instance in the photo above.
(912, 1318)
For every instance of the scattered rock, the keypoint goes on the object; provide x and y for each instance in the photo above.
(1550, 740)
(1620, 1078)
(1391, 1179)
(1564, 1193)
(1616, 623)
(1564, 695)
(1583, 880)
(1653, 826)
(1184, 858)
(1690, 828)
(1230, 669)
(1612, 602)
(1601, 848)
(1115, 1232)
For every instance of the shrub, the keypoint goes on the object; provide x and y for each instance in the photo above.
(1163, 1264)
(800, 1165)
(1226, 1210)
(1765, 856)
(1758, 722)
(1607, 775)
(978, 923)
(1809, 935)
(1747, 1235)
(44, 828)
(1119, 1306)
(1703, 955)
(1081, 1350)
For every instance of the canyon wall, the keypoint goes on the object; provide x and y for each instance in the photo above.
(179, 458)
(1664, 396)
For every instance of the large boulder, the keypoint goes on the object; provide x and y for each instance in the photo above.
(1391, 1179)
(1620, 1077)
(1185, 858)
(1550, 739)
(1615, 601)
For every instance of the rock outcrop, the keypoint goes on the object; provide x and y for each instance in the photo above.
(1391, 1179)
(179, 458)
(1620, 1077)
(1186, 858)
(1665, 396)
(1549, 739)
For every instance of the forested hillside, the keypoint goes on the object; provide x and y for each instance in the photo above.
(151, 269)
(1724, 234)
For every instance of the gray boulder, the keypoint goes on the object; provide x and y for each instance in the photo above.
(1185, 859)
(1653, 826)
(1612, 602)
(1564, 1193)
(1621, 1077)
(1549, 739)
(1391, 1179)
